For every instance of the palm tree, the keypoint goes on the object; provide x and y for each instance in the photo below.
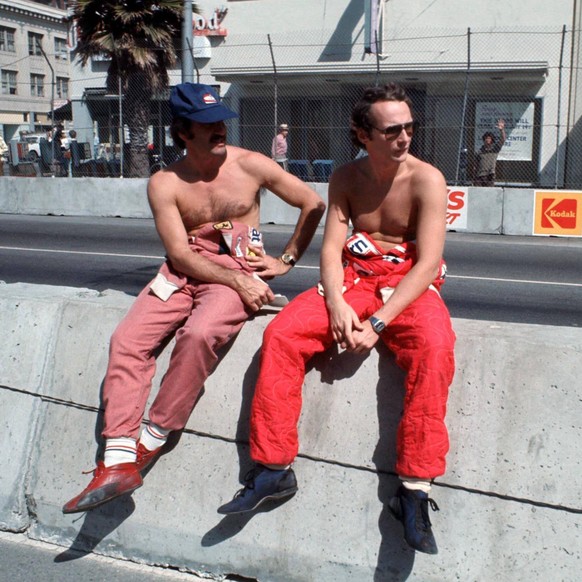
(141, 37)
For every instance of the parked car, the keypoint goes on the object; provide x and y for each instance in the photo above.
(33, 139)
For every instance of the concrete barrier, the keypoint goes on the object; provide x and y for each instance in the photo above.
(124, 197)
(510, 501)
(488, 210)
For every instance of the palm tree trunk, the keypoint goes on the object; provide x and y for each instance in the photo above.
(137, 107)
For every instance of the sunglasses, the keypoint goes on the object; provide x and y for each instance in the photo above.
(393, 131)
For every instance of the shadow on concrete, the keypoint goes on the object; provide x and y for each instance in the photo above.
(231, 525)
(395, 557)
(101, 521)
(98, 524)
(243, 423)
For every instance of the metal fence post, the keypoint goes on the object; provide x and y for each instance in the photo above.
(464, 113)
(275, 88)
(187, 57)
(121, 130)
(559, 109)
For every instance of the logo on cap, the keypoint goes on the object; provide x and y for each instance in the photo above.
(208, 98)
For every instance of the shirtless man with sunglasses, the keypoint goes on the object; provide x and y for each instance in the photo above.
(379, 283)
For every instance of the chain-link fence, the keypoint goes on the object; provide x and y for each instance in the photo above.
(516, 89)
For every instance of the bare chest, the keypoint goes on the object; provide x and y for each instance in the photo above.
(390, 216)
(201, 203)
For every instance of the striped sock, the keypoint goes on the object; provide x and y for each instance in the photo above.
(153, 436)
(119, 450)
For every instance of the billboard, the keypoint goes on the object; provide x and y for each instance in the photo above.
(557, 213)
(519, 127)
(457, 208)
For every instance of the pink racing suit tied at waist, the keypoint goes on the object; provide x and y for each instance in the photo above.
(226, 243)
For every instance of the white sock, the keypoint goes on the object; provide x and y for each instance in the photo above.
(153, 436)
(416, 484)
(277, 467)
(119, 450)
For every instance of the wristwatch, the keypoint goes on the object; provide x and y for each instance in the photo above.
(377, 324)
(288, 259)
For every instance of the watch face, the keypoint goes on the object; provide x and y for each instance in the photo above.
(377, 324)
(288, 259)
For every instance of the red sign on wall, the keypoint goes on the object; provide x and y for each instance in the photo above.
(210, 26)
(457, 208)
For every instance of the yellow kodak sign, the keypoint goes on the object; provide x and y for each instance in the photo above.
(557, 213)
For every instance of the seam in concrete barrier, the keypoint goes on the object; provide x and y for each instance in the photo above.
(501, 496)
(510, 498)
(449, 486)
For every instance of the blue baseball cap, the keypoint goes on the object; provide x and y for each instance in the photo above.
(199, 103)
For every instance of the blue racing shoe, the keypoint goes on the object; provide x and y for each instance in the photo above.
(261, 484)
(411, 508)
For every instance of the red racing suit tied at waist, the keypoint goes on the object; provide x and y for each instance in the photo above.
(363, 257)
(225, 243)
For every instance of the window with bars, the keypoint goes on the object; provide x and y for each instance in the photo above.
(34, 44)
(62, 88)
(61, 49)
(8, 82)
(7, 39)
(37, 85)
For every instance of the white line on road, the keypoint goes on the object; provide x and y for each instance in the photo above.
(160, 258)
(67, 252)
(513, 280)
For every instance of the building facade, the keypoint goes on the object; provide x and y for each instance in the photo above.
(465, 65)
(34, 66)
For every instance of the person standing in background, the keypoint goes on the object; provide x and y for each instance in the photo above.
(3, 154)
(279, 146)
(486, 158)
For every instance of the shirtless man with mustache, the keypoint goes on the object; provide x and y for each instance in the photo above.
(206, 212)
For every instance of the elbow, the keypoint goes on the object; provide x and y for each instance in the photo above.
(314, 211)
(319, 207)
(178, 260)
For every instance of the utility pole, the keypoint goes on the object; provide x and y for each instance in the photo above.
(39, 46)
(187, 58)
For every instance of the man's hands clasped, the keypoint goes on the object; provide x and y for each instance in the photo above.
(348, 331)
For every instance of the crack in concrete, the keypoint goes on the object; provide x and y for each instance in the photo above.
(471, 490)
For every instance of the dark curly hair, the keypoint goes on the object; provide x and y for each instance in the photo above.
(361, 110)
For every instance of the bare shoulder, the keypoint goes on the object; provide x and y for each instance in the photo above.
(344, 177)
(164, 184)
(247, 159)
(426, 179)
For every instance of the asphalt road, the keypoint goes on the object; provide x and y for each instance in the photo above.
(491, 277)
(25, 560)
